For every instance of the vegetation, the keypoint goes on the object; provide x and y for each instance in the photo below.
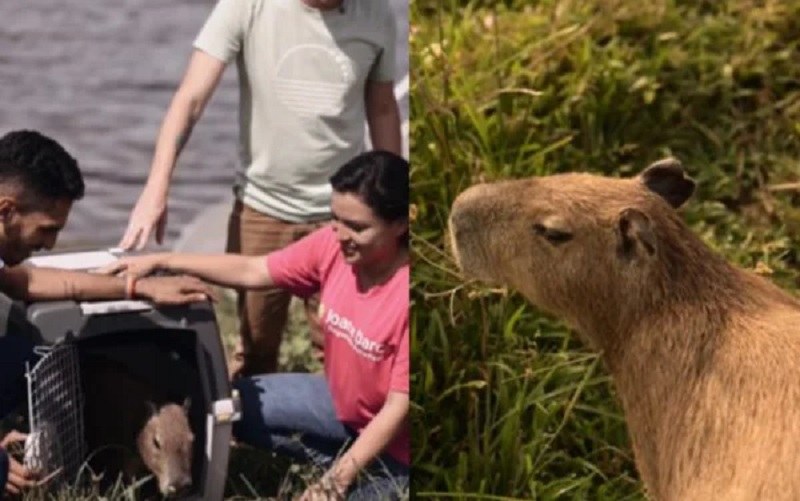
(507, 404)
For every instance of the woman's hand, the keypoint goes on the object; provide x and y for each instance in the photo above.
(136, 266)
(328, 488)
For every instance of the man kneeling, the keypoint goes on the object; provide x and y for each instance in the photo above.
(39, 182)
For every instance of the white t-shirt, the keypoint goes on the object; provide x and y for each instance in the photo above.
(302, 75)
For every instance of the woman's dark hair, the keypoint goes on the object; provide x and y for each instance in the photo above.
(40, 166)
(380, 178)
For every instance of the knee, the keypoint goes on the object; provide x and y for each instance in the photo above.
(250, 407)
(270, 403)
(259, 399)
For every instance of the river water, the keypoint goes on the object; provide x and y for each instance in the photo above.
(98, 75)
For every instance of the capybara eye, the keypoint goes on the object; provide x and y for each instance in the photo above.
(156, 443)
(552, 235)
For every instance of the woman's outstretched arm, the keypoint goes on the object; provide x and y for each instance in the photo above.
(227, 270)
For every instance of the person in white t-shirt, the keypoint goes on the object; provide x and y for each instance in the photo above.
(312, 74)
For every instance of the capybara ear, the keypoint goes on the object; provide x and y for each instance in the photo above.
(667, 178)
(636, 236)
(187, 404)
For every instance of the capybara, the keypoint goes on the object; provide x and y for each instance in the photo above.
(132, 429)
(705, 356)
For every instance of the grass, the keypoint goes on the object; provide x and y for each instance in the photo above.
(506, 403)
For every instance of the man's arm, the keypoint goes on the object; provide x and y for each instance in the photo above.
(28, 283)
(198, 85)
(383, 116)
(216, 45)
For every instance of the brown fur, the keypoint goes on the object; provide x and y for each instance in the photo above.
(705, 356)
(127, 433)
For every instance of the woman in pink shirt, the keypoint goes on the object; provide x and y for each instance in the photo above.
(354, 420)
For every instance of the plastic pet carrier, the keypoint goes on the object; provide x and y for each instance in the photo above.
(176, 347)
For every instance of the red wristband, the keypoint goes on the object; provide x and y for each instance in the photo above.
(130, 286)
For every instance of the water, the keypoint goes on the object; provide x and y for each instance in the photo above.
(98, 76)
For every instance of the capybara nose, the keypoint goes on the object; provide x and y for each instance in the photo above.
(470, 195)
(465, 214)
(177, 488)
(182, 485)
(461, 221)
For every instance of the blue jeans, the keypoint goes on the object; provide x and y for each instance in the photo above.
(293, 414)
(15, 350)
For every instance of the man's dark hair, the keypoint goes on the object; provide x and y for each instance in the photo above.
(380, 178)
(40, 166)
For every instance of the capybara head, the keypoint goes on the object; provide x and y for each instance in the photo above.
(574, 242)
(165, 445)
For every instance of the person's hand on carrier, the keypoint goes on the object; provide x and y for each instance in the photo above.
(135, 266)
(161, 290)
(173, 290)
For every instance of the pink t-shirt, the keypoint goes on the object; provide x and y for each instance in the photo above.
(366, 333)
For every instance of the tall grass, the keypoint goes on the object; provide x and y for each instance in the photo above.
(506, 403)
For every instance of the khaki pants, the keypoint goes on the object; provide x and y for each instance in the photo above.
(263, 314)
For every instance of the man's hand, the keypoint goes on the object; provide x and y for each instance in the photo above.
(19, 478)
(149, 215)
(174, 290)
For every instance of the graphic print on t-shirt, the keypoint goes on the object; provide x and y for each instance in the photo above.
(317, 88)
(344, 328)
